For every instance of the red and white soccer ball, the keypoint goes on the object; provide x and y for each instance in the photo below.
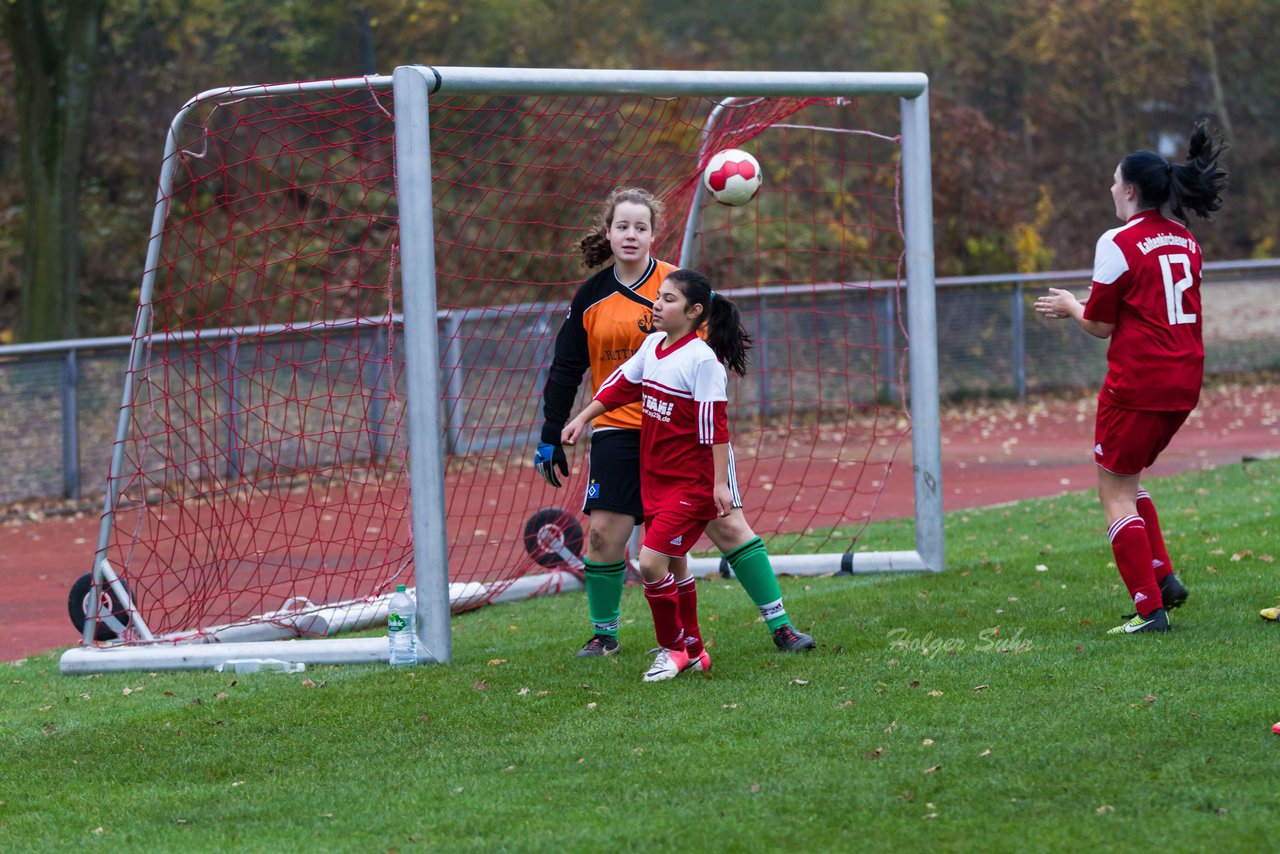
(732, 177)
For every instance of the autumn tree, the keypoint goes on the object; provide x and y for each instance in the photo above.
(55, 50)
(1033, 103)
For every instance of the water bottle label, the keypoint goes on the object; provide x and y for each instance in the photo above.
(395, 622)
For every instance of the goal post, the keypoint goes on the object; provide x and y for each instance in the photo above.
(344, 322)
(921, 317)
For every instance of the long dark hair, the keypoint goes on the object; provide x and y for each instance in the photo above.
(725, 335)
(595, 244)
(1196, 184)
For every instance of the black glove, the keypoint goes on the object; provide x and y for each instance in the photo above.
(550, 456)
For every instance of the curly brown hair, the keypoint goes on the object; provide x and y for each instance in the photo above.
(595, 243)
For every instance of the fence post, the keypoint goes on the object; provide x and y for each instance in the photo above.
(70, 426)
(886, 321)
(762, 356)
(454, 418)
(1019, 354)
(379, 366)
(230, 419)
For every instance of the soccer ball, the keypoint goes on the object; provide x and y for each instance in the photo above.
(732, 177)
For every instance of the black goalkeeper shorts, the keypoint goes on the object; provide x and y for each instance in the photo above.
(614, 481)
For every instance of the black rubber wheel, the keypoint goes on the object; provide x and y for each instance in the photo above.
(113, 617)
(551, 523)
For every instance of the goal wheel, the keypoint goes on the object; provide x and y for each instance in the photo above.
(551, 531)
(113, 616)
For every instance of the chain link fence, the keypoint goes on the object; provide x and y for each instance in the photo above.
(59, 401)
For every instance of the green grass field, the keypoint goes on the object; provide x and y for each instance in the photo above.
(983, 708)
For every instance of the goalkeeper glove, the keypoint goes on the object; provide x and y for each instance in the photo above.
(550, 456)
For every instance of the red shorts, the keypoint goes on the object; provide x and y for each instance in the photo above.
(1126, 441)
(672, 534)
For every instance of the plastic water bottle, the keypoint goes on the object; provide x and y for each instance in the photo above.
(402, 635)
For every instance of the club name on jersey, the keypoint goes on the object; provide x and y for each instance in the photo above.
(1152, 243)
(621, 354)
(659, 409)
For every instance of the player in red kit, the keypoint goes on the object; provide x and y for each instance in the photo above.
(1146, 298)
(679, 380)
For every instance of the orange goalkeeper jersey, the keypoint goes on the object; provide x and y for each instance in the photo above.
(606, 324)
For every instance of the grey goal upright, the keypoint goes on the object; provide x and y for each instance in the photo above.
(414, 88)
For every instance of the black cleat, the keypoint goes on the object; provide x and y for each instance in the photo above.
(1156, 621)
(787, 638)
(1172, 593)
(599, 645)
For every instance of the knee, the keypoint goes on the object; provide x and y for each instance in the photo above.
(653, 566)
(604, 546)
(730, 533)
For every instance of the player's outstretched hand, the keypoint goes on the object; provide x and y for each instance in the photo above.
(547, 459)
(1056, 304)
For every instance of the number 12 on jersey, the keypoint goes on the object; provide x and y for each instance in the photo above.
(1174, 288)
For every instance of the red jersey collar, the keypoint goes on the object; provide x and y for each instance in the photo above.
(663, 353)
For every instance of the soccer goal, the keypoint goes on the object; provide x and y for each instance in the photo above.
(347, 311)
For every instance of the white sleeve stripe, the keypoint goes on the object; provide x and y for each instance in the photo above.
(733, 481)
(612, 379)
(706, 423)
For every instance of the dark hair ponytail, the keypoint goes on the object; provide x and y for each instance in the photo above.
(594, 245)
(1196, 184)
(725, 335)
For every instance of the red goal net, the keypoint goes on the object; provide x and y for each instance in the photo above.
(261, 468)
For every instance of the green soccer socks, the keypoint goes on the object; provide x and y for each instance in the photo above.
(750, 563)
(604, 595)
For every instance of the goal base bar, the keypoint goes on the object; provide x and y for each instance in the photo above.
(207, 655)
(849, 563)
(202, 656)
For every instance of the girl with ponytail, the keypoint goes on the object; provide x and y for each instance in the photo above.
(685, 482)
(1145, 297)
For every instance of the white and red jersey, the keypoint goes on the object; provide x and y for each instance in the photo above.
(682, 393)
(1146, 280)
